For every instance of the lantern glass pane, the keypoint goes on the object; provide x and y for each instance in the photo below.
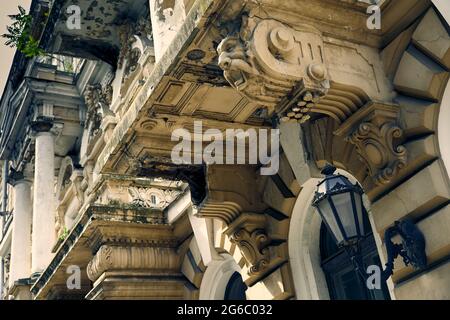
(360, 212)
(330, 221)
(343, 205)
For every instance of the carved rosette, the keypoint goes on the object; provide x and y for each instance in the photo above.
(115, 258)
(267, 60)
(376, 134)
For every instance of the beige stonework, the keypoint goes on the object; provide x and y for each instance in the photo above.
(108, 197)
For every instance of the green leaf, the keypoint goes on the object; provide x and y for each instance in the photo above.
(19, 34)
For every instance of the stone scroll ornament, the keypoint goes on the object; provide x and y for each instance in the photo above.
(375, 146)
(376, 133)
(267, 60)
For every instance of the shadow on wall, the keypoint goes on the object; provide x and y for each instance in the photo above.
(444, 129)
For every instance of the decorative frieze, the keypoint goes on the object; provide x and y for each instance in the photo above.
(150, 259)
(135, 193)
(376, 133)
(161, 167)
(152, 197)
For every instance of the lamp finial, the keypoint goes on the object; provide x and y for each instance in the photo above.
(328, 170)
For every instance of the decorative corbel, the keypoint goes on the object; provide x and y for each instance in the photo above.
(248, 232)
(376, 134)
(233, 198)
(268, 60)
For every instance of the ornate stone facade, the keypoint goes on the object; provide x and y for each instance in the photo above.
(88, 154)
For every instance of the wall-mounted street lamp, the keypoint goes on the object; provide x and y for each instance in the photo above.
(340, 204)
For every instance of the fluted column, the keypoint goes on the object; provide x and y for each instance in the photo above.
(21, 232)
(43, 235)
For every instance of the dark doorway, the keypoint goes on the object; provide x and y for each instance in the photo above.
(235, 288)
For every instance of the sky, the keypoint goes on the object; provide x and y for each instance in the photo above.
(6, 53)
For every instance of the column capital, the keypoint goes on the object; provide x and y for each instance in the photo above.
(41, 125)
(16, 177)
(46, 126)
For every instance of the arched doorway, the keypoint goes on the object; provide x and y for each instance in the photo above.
(342, 280)
(317, 263)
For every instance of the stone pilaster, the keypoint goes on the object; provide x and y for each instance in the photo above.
(43, 235)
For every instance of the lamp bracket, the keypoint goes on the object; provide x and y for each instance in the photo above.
(412, 248)
(4, 213)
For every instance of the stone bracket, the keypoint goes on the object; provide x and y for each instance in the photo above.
(267, 59)
(249, 233)
(376, 133)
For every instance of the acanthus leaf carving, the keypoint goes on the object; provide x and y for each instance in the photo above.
(134, 38)
(376, 148)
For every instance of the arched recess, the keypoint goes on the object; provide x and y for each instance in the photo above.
(304, 243)
(304, 249)
(217, 278)
(418, 63)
